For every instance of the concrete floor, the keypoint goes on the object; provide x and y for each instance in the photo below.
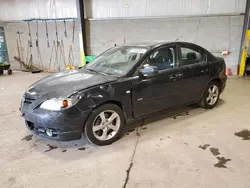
(175, 149)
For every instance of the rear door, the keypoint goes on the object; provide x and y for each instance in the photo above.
(194, 63)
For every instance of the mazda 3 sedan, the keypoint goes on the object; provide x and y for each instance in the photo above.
(123, 84)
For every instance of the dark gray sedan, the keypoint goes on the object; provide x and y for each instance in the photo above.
(123, 84)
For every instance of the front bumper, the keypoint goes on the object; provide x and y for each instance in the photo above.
(66, 125)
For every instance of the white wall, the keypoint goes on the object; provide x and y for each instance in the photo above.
(216, 34)
(11, 37)
(214, 24)
(12, 10)
(12, 14)
(99, 9)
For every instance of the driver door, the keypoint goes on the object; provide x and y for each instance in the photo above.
(162, 90)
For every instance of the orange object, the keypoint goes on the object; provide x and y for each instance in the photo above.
(65, 104)
(236, 71)
(228, 71)
(225, 53)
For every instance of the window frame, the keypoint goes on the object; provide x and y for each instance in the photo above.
(194, 48)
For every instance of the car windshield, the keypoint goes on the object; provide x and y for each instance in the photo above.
(116, 61)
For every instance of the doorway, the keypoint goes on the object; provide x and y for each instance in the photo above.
(3, 47)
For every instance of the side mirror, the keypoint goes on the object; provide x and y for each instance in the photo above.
(149, 71)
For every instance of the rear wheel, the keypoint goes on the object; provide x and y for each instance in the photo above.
(9, 72)
(211, 95)
(1, 71)
(104, 126)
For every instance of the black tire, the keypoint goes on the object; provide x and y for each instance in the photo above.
(205, 102)
(1, 71)
(9, 72)
(88, 129)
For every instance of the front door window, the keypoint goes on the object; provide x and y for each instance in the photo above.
(163, 59)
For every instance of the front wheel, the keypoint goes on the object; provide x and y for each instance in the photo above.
(104, 125)
(211, 95)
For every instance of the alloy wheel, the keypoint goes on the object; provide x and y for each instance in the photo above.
(212, 95)
(106, 125)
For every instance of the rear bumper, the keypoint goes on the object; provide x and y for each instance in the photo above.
(224, 81)
(64, 126)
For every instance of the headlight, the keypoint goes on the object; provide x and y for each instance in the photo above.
(58, 104)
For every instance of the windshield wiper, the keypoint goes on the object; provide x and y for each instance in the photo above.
(92, 70)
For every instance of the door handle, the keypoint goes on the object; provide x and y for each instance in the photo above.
(204, 71)
(175, 76)
(172, 77)
(179, 75)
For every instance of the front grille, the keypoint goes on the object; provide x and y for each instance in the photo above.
(28, 100)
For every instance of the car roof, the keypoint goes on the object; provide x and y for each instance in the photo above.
(151, 45)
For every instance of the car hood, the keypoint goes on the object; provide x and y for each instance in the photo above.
(65, 83)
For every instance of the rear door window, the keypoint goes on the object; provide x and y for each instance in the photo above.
(191, 56)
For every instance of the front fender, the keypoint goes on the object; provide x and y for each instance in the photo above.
(119, 92)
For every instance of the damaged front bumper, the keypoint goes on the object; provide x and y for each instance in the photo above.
(66, 125)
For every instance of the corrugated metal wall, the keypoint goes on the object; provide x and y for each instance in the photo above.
(12, 10)
(98, 9)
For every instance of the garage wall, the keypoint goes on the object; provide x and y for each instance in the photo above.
(99, 9)
(12, 10)
(12, 16)
(215, 25)
(11, 37)
(214, 33)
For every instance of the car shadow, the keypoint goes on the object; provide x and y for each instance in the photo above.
(83, 148)
(220, 102)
